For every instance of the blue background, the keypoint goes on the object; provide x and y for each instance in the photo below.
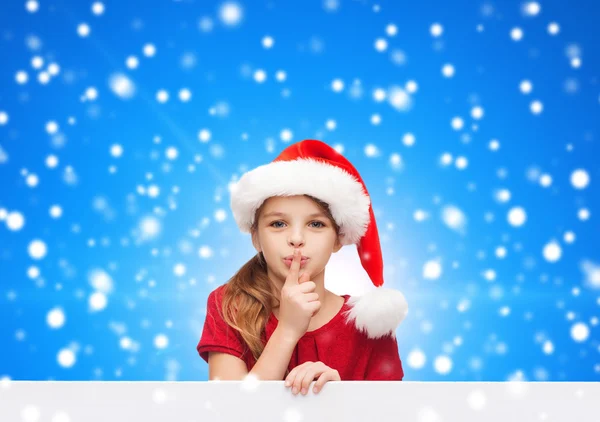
(314, 44)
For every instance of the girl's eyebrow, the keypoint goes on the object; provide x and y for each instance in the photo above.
(282, 214)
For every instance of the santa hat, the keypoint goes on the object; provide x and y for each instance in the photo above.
(311, 167)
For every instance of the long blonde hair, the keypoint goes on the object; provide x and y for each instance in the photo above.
(249, 298)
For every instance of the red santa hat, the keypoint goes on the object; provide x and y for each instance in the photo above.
(312, 167)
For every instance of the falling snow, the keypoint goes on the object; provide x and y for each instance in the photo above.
(476, 140)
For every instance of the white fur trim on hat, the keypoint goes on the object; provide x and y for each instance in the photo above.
(348, 201)
(378, 312)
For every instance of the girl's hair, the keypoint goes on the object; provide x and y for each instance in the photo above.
(249, 297)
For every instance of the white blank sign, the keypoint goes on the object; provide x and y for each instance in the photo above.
(202, 401)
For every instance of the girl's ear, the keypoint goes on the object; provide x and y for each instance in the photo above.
(338, 244)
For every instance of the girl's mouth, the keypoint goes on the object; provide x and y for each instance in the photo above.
(288, 262)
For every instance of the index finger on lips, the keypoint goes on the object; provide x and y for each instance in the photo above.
(294, 268)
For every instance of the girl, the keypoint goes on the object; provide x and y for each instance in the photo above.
(274, 319)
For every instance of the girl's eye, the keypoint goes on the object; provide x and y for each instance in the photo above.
(277, 222)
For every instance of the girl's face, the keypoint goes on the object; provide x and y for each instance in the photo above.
(290, 222)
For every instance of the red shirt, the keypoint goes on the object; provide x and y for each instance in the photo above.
(338, 344)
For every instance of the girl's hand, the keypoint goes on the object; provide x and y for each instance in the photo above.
(299, 302)
(302, 375)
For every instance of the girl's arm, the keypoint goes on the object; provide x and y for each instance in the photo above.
(222, 348)
(271, 365)
(225, 367)
(274, 360)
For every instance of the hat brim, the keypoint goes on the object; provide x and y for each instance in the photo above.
(348, 202)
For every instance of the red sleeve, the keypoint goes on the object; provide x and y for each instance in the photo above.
(384, 361)
(217, 335)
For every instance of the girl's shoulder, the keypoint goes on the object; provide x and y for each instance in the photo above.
(215, 298)
(218, 292)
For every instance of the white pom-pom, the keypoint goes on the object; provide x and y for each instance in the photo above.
(378, 312)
